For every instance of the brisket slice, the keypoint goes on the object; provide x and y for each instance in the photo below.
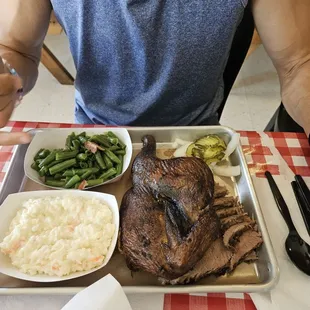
(229, 221)
(215, 261)
(232, 233)
(220, 191)
(224, 202)
(248, 242)
(229, 212)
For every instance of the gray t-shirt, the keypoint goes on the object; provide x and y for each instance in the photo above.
(149, 62)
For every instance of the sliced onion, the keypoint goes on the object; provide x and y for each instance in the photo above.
(212, 164)
(226, 171)
(178, 142)
(181, 151)
(232, 145)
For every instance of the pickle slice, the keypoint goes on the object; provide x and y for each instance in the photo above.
(211, 141)
(190, 150)
(210, 148)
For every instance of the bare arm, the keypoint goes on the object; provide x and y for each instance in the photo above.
(23, 26)
(284, 27)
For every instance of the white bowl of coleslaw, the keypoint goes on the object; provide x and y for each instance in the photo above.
(49, 236)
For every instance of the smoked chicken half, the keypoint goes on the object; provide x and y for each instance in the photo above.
(166, 220)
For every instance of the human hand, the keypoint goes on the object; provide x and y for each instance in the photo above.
(9, 87)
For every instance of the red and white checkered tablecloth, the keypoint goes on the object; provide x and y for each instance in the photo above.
(259, 151)
(293, 147)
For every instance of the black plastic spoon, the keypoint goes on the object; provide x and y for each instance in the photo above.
(297, 249)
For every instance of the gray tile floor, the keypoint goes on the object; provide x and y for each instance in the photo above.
(250, 105)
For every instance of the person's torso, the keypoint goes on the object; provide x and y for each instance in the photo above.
(149, 62)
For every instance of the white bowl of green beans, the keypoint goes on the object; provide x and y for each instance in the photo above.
(78, 158)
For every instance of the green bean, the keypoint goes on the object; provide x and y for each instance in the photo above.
(38, 161)
(107, 161)
(94, 182)
(43, 171)
(72, 172)
(53, 163)
(47, 160)
(73, 180)
(119, 167)
(114, 148)
(82, 157)
(86, 175)
(101, 140)
(66, 155)
(69, 173)
(58, 176)
(83, 165)
(62, 166)
(69, 141)
(104, 176)
(55, 183)
(76, 144)
(120, 152)
(112, 156)
(82, 139)
(58, 150)
(112, 140)
(90, 163)
(43, 154)
(37, 154)
(34, 166)
(120, 143)
(99, 160)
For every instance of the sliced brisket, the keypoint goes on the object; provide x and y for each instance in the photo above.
(229, 212)
(215, 261)
(220, 191)
(249, 241)
(229, 221)
(233, 232)
(224, 202)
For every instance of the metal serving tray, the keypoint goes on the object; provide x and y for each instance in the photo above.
(256, 277)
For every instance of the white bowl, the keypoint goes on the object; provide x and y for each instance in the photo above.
(56, 138)
(13, 203)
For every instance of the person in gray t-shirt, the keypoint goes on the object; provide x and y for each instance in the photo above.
(153, 62)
